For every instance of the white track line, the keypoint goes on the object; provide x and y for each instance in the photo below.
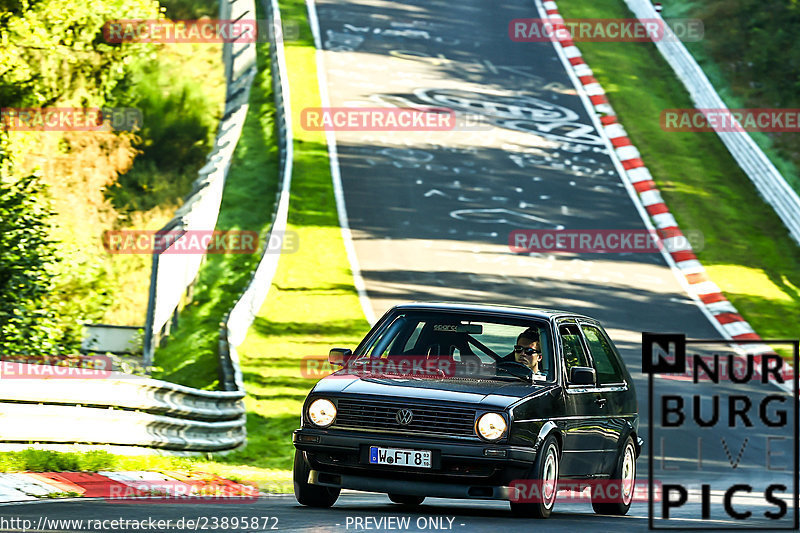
(336, 176)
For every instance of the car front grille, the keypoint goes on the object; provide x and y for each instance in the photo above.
(381, 415)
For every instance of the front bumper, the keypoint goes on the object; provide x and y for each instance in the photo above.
(411, 488)
(461, 468)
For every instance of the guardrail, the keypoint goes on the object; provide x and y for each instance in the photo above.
(126, 410)
(173, 274)
(120, 410)
(768, 181)
(235, 325)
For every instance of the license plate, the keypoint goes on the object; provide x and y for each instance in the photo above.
(399, 457)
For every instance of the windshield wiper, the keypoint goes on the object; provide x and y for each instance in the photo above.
(517, 373)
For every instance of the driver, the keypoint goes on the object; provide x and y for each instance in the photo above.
(528, 350)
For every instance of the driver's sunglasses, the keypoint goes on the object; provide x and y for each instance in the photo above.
(525, 350)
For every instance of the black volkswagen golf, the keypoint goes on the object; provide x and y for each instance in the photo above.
(472, 401)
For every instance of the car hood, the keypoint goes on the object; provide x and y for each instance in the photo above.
(486, 393)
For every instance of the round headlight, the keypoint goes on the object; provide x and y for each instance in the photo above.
(491, 426)
(322, 412)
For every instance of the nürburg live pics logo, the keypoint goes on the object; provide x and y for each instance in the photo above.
(723, 428)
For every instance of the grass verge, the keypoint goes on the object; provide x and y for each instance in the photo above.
(311, 306)
(747, 250)
(190, 354)
(33, 460)
(312, 303)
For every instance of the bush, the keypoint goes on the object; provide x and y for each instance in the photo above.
(753, 44)
(27, 324)
(177, 131)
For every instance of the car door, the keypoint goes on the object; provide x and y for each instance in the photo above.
(611, 384)
(586, 414)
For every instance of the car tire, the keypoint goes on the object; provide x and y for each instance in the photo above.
(625, 474)
(307, 494)
(544, 477)
(404, 499)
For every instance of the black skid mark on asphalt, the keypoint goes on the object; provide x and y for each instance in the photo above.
(504, 216)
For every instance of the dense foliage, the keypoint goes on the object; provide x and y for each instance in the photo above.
(55, 186)
(756, 42)
(52, 54)
(755, 45)
(25, 281)
(53, 51)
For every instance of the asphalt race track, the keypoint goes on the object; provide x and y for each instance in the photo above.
(282, 513)
(464, 515)
(430, 214)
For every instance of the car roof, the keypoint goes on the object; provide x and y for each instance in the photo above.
(504, 310)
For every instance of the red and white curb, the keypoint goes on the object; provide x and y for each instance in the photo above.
(32, 486)
(701, 287)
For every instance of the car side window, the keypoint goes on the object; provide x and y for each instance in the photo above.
(574, 354)
(605, 360)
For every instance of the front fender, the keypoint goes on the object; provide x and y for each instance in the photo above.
(548, 428)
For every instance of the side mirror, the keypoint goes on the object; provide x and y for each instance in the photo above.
(582, 375)
(339, 356)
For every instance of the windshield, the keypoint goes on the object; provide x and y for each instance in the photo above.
(468, 345)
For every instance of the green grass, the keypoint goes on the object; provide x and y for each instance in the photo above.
(179, 119)
(747, 250)
(312, 304)
(33, 460)
(190, 354)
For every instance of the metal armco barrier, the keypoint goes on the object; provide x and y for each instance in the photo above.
(126, 410)
(768, 181)
(122, 410)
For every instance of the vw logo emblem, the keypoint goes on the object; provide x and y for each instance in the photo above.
(404, 417)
